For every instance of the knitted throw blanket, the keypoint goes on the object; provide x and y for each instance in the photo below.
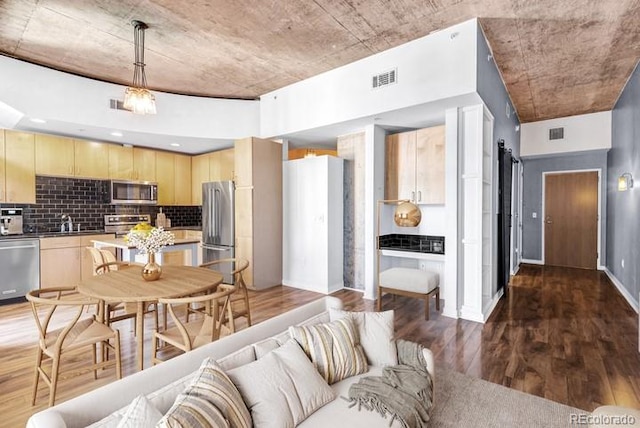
(404, 391)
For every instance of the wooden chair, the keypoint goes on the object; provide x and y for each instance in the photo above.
(64, 306)
(187, 335)
(239, 302)
(104, 261)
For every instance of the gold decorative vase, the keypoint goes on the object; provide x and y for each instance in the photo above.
(151, 271)
(407, 214)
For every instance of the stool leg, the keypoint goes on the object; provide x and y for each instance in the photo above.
(379, 299)
(438, 299)
(426, 307)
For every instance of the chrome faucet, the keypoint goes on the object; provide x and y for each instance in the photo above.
(67, 224)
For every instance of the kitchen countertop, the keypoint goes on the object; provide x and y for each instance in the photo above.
(38, 235)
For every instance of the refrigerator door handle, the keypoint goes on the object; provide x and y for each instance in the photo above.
(216, 217)
(213, 247)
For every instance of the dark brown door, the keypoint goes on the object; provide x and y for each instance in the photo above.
(571, 219)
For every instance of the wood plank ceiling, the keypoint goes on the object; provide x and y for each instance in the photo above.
(558, 58)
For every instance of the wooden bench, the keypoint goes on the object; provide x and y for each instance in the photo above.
(416, 283)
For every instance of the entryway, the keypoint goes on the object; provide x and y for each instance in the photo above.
(571, 219)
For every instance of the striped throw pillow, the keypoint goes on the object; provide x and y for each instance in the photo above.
(334, 348)
(210, 401)
(193, 411)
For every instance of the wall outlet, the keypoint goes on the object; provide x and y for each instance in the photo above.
(534, 215)
(423, 265)
(622, 263)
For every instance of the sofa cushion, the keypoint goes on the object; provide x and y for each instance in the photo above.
(333, 348)
(238, 358)
(338, 412)
(265, 346)
(193, 411)
(162, 399)
(140, 414)
(375, 330)
(210, 396)
(282, 388)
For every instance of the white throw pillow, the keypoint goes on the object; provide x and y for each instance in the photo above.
(140, 414)
(376, 335)
(282, 388)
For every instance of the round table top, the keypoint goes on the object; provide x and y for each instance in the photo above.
(127, 285)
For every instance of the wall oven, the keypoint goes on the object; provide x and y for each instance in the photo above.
(133, 192)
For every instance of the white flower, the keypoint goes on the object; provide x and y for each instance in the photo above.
(150, 241)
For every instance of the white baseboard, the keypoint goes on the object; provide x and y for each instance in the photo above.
(515, 271)
(471, 314)
(625, 293)
(492, 305)
(532, 262)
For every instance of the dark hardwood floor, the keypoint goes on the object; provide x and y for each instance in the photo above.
(563, 334)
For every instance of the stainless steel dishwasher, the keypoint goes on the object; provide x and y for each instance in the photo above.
(19, 267)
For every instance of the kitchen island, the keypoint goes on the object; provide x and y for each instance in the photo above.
(127, 252)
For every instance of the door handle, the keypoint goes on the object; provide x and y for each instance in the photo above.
(548, 220)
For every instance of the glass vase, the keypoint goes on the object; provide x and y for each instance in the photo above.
(151, 271)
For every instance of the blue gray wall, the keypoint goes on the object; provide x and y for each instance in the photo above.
(623, 209)
(491, 89)
(532, 195)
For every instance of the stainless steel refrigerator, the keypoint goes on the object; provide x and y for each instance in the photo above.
(218, 230)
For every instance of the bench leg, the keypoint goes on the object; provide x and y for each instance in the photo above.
(426, 307)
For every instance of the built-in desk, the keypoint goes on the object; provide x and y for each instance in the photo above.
(128, 252)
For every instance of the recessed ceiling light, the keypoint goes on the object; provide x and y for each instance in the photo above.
(116, 134)
(175, 145)
(36, 120)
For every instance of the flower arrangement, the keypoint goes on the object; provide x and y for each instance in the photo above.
(148, 239)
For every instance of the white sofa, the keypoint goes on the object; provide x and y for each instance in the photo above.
(162, 383)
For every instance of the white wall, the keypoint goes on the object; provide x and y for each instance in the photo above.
(581, 133)
(435, 67)
(44, 93)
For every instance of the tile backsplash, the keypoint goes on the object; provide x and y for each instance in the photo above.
(86, 201)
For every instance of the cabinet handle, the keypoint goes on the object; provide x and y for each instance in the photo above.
(413, 196)
(419, 195)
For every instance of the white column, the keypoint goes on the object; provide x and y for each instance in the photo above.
(471, 138)
(373, 191)
(449, 280)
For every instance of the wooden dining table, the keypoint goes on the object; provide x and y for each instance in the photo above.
(127, 285)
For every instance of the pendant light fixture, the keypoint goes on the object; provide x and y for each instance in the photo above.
(137, 97)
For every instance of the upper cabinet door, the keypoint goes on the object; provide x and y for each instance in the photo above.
(91, 159)
(199, 174)
(166, 170)
(144, 164)
(430, 165)
(243, 162)
(20, 168)
(182, 180)
(54, 155)
(120, 162)
(3, 189)
(400, 162)
(227, 164)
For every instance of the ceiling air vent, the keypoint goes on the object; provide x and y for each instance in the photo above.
(384, 79)
(117, 105)
(556, 134)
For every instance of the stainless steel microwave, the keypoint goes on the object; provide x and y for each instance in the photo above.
(133, 192)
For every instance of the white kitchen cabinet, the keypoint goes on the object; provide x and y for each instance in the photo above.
(313, 224)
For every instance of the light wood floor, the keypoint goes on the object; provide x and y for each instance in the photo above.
(563, 334)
